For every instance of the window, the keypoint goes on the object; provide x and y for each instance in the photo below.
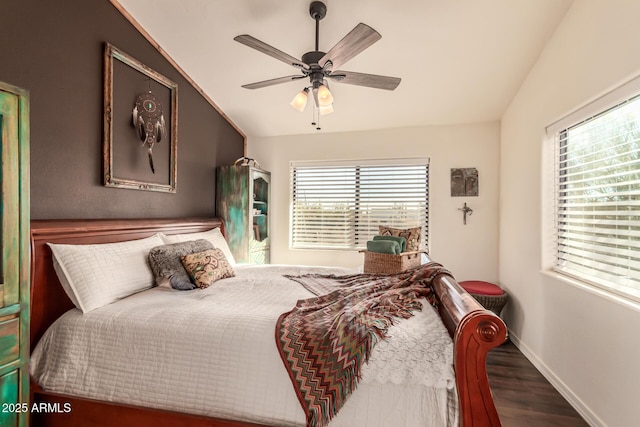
(339, 205)
(597, 196)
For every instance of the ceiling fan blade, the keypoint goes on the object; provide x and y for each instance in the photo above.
(271, 82)
(358, 39)
(261, 46)
(363, 79)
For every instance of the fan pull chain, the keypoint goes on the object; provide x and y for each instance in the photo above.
(315, 122)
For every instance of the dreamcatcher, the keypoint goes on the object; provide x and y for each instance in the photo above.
(148, 121)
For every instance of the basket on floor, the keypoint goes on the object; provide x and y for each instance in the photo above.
(488, 294)
(379, 263)
(494, 303)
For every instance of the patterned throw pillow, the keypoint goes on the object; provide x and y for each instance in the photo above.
(166, 264)
(206, 268)
(411, 234)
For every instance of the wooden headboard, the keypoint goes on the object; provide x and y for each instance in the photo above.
(48, 299)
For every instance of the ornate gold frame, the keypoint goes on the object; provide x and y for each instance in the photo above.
(168, 182)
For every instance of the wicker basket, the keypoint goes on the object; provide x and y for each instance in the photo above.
(378, 263)
(494, 303)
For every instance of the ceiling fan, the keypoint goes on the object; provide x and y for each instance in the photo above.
(320, 67)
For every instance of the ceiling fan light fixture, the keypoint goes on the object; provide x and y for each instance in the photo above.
(299, 102)
(326, 110)
(321, 67)
(324, 96)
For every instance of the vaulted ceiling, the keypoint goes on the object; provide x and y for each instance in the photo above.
(460, 61)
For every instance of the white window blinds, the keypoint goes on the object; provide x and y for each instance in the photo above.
(339, 205)
(597, 199)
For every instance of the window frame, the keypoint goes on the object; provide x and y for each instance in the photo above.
(594, 108)
(357, 164)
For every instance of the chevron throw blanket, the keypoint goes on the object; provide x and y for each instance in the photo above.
(324, 340)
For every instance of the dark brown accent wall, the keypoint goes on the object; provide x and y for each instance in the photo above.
(54, 49)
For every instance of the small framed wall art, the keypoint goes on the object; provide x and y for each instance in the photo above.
(140, 125)
(464, 182)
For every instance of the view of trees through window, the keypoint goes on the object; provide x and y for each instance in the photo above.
(598, 199)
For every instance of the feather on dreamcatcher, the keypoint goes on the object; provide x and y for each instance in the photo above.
(149, 123)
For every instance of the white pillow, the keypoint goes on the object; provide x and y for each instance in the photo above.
(214, 236)
(96, 275)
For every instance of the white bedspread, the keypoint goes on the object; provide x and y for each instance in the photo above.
(213, 352)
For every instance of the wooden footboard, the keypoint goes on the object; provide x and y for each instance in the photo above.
(474, 330)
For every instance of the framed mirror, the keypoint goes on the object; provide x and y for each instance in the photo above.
(140, 125)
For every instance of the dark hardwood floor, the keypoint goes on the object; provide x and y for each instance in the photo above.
(523, 396)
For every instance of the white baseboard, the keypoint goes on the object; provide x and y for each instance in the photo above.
(589, 416)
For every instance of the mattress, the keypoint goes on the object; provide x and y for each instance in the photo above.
(212, 352)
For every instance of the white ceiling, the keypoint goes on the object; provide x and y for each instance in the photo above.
(461, 61)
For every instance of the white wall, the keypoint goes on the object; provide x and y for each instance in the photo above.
(585, 343)
(470, 252)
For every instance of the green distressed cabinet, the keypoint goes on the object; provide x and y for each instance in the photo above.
(242, 200)
(14, 263)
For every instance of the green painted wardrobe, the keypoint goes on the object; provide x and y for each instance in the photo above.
(242, 200)
(14, 264)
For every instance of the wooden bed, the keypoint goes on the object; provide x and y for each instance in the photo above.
(474, 330)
